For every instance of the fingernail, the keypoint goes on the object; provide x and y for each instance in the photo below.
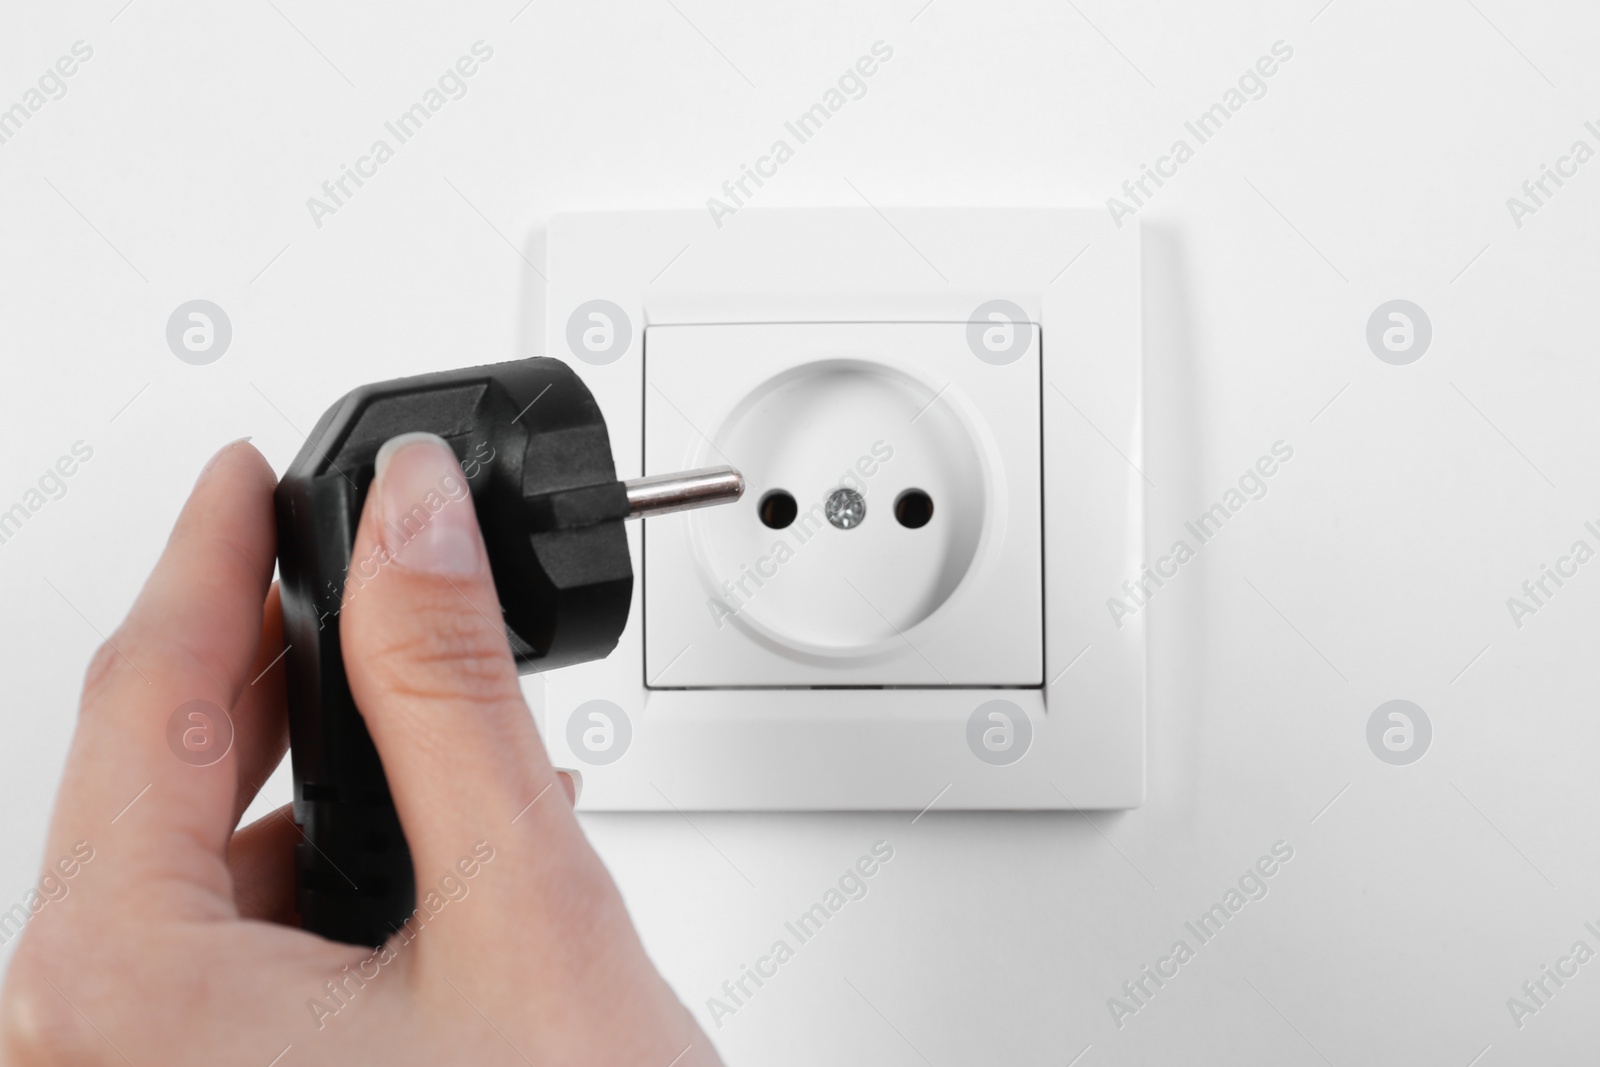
(212, 462)
(427, 519)
(572, 785)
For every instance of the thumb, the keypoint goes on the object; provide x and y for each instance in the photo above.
(429, 666)
(431, 670)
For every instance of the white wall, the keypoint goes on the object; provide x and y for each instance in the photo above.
(1377, 166)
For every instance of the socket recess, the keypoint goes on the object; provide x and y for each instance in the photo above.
(939, 430)
(733, 598)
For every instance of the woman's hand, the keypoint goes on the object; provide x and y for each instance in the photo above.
(171, 941)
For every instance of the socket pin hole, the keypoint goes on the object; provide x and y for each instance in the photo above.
(777, 509)
(913, 508)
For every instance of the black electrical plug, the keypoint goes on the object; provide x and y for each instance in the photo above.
(537, 459)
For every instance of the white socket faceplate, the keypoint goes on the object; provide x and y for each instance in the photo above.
(879, 666)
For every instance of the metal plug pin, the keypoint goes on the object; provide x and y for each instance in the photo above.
(662, 494)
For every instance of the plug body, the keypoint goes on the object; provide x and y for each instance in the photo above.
(533, 446)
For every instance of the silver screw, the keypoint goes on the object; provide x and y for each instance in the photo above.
(845, 508)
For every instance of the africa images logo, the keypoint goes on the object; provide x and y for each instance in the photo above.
(450, 85)
(1250, 887)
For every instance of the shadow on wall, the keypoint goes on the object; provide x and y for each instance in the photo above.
(1174, 460)
(532, 316)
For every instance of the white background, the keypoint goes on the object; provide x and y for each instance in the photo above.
(1376, 167)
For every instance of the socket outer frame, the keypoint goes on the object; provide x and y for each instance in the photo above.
(813, 749)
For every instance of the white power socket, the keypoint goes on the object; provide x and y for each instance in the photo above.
(909, 600)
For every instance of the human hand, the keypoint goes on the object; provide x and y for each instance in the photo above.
(172, 939)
